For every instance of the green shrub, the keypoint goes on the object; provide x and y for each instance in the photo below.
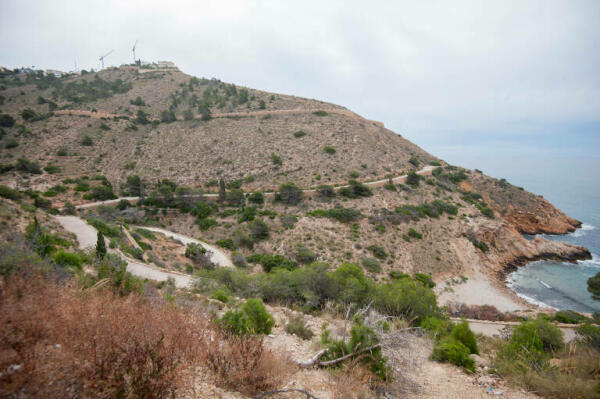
(343, 215)
(42, 203)
(226, 243)
(378, 251)
(256, 198)
(104, 228)
(461, 332)
(289, 194)
(235, 198)
(206, 223)
(103, 193)
(354, 174)
(192, 250)
(87, 141)
(63, 258)
(439, 327)
(299, 133)
(252, 318)
(304, 254)
(593, 286)
(568, 317)
(123, 204)
(320, 113)
(167, 116)
(6, 167)
(589, 334)
(482, 246)
(397, 275)
(6, 120)
(452, 351)
(425, 279)
(270, 262)
(24, 165)
(201, 210)
(361, 337)
(329, 149)
(371, 265)
(259, 230)
(551, 336)
(297, 326)
(405, 298)
(413, 179)
(62, 152)
(276, 159)
(325, 191)
(138, 101)
(188, 115)
(52, 169)
(11, 143)
(355, 189)
(414, 161)
(412, 233)
(9, 193)
(220, 295)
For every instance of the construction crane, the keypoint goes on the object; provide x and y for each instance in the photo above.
(104, 56)
(135, 44)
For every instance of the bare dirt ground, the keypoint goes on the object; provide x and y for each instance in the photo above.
(478, 290)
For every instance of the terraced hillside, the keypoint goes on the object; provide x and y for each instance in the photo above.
(261, 137)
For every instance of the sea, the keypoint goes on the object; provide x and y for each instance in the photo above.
(572, 184)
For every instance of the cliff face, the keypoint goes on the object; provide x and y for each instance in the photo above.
(509, 249)
(546, 219)
(528, 213)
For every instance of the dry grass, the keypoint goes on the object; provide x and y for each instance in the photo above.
(355, 381)
(60, 341)
(243, 363)
(573, 374)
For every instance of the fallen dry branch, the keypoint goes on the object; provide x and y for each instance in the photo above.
(269, 393)
(316, 360)
(348, 356)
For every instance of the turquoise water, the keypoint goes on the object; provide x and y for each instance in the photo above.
(571, 184)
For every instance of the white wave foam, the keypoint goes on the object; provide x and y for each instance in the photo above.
(595, 261)
(535, 301)
(546, 284)
(582, 230)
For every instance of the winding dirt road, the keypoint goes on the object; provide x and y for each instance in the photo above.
(217, 256)
(426, 171)
(86, 236)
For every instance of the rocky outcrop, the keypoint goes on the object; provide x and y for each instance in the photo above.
(552, 221)
(508, 249)
(539, 216)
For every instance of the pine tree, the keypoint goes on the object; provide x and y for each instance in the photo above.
(100, 246)
(222, 193)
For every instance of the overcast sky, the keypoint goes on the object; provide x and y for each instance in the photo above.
(503, 75)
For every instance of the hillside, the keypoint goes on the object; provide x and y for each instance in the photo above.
(213, 197)
(168, 125)
(236, 145)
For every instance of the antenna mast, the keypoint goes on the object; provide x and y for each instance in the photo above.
(135, 44)
(105, 55)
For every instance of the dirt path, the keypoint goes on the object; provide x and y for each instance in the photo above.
(217, 257)
(493, 328)
(86, 235)
(308, 192)
(101, 114)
